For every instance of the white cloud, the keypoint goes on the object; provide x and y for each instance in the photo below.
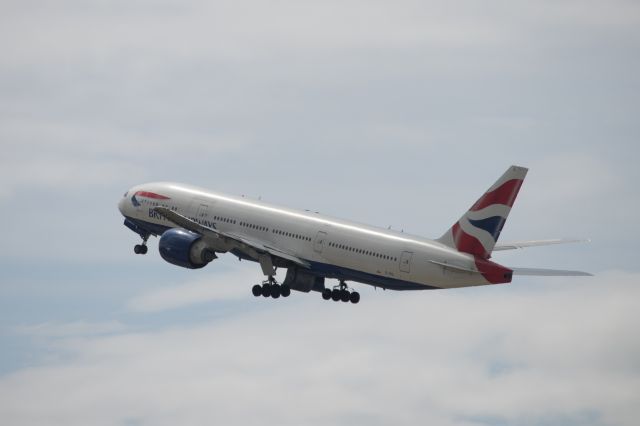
(219, 286)
(235, 29)
(98, 33)
(564, 355)
(64, 156)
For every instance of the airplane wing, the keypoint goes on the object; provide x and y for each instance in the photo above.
(248, 246)
(534, 243)
(549, 272)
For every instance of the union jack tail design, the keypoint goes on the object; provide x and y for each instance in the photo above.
(478, 229)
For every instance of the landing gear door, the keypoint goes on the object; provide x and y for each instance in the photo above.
(321, 241)
(405, 261)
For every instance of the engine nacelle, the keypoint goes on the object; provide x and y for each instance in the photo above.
(185, 248)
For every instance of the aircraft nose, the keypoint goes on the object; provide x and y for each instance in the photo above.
(122, 204)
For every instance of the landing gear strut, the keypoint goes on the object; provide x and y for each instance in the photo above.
(341, 292)
(141, 248)
(271, 288)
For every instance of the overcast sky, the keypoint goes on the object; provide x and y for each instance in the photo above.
(391, 113)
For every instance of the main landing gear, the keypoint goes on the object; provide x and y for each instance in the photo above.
(341, 292)
(270, 287)
(141, 248)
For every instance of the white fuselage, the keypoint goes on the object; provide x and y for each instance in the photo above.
(335, 248)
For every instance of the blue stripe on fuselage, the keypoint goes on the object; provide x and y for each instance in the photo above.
(328, 270)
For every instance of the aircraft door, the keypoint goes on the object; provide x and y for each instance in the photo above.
(321, 241)
(405, 261)
(201, 213)
(199, 210)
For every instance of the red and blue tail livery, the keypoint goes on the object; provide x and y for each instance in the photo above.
(478, 229)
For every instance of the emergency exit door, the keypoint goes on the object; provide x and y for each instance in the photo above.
(405, 261)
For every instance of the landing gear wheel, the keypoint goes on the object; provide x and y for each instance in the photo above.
(257, 290)
(341, 292)
(140, 249)
(275, 291)
(335, 294)
(326, 294)
(285, 290)
(266, 290)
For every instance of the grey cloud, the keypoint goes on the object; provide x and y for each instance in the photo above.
(78, 328)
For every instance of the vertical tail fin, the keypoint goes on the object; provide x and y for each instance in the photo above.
(478, 229)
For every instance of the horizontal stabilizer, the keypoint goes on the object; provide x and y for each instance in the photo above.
(535, 243)
(538, 272)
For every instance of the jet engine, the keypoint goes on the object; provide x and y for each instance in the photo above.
(185, 248)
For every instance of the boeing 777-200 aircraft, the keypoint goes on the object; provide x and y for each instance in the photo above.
(195, 225)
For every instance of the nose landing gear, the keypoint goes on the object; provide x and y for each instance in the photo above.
(341, 292)
(141, 248)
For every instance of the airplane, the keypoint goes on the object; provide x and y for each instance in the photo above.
(195, 225)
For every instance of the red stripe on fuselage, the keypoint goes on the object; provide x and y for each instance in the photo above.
(467, 243)
(504, 194)
(151, 195)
